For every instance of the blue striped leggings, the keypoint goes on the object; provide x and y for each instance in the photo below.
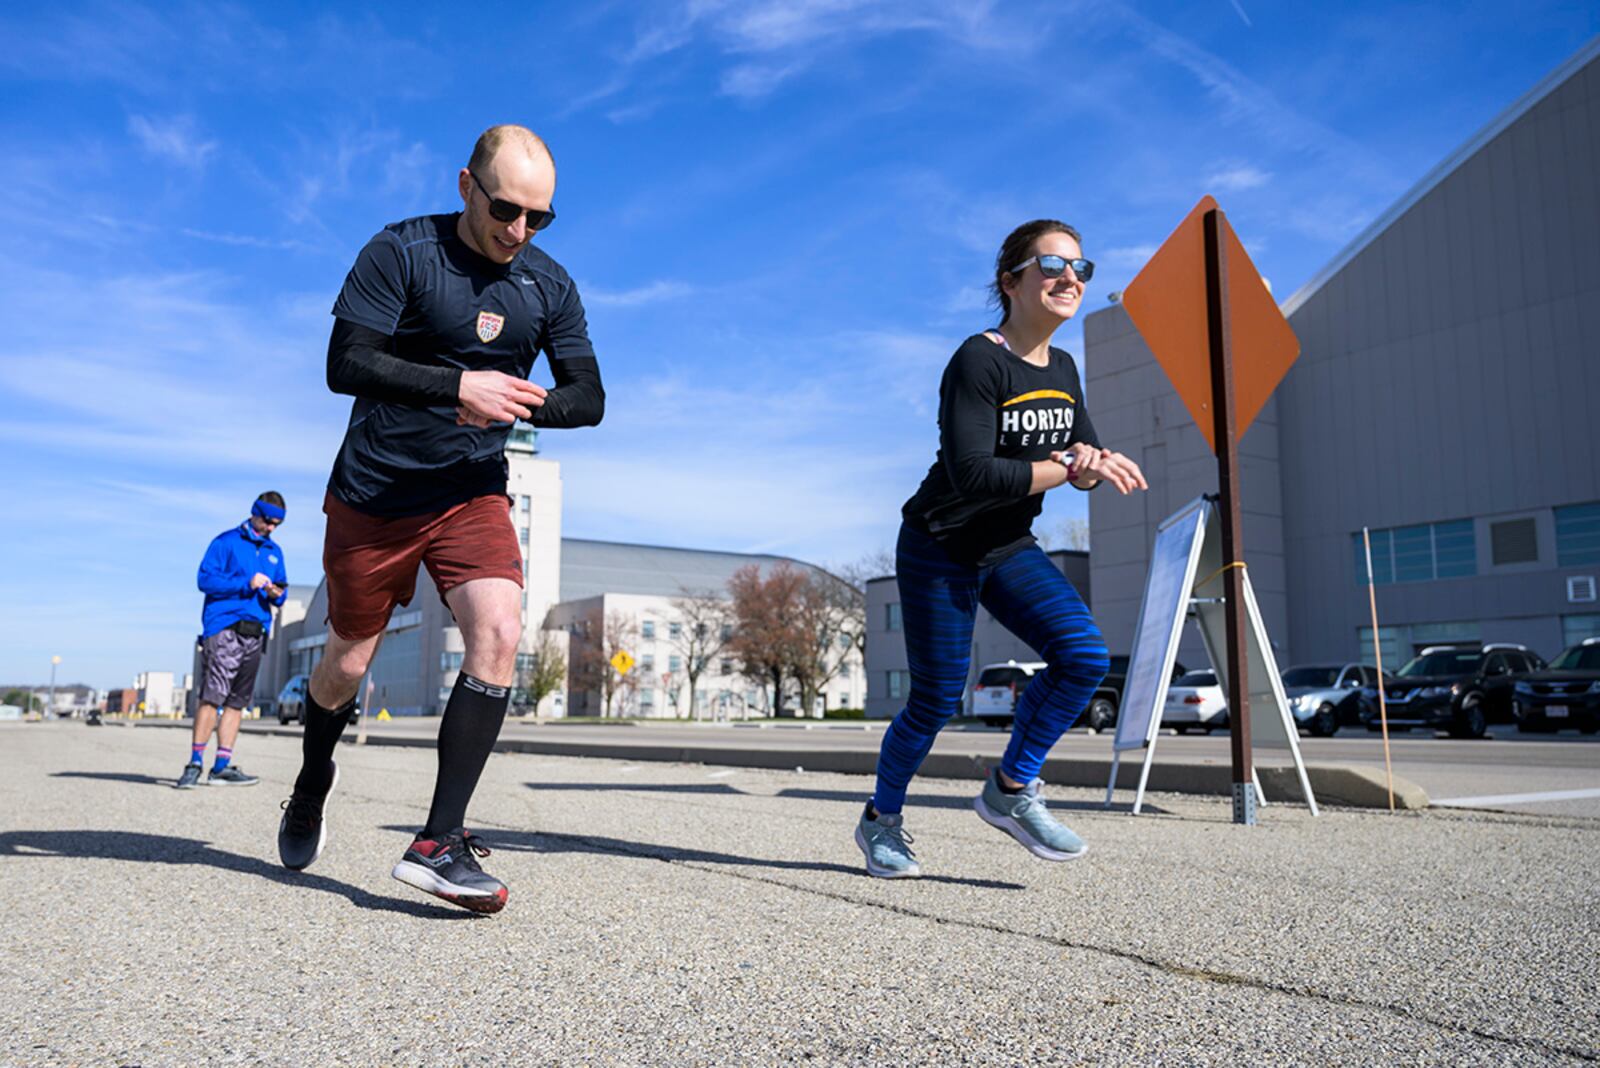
(939, 601)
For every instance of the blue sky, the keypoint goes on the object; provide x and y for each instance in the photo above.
(780, 215)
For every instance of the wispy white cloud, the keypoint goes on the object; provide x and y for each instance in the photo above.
(751, 81)
(1125, 256)
(243, 240)
(174, 138)
(1243, 100)
(1239, 10)
(1236, 177)
(651, 293)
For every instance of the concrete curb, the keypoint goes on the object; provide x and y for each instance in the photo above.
(1334, 784)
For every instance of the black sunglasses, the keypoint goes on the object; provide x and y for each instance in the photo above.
(505, 211)
(1056, 266)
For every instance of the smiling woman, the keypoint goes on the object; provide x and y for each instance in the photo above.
(1012, 425)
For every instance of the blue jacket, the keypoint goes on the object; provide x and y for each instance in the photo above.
(231, 560)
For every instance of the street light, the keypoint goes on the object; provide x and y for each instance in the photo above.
(50, 706)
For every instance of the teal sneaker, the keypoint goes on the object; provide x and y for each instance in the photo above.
(1024, 817)
(887, 847)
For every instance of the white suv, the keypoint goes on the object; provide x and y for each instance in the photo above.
(994, 695)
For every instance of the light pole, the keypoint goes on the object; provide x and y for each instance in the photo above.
(50, 705)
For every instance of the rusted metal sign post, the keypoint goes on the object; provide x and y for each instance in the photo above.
(1209, 320)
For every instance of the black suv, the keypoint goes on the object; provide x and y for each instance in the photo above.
(1101, 714)
(1459, 688)
(1567, 694)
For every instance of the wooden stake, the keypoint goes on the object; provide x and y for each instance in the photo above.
(1223, 411)
(1377, 657)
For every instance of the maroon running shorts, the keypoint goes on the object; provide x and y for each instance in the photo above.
(371, 561)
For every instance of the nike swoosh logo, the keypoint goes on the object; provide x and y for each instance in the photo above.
(526, 281)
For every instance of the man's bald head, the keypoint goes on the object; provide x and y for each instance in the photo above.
(508, 137)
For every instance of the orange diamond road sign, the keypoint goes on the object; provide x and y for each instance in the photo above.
(1167, 303)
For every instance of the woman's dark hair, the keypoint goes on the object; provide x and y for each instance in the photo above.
(1017, 247)
(272, 497)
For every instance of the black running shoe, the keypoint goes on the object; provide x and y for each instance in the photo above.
(189, 779)
(303, 831)
(448, 868)
(230, 776)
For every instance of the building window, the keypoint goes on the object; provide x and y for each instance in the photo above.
(674, 631)
(1418, 553)
(725, 667)
(647, 663)
(674, 664)
(450, 661)
(844, 672)
(1575, 629)
(1578, 534)
(522, 534)
(647, 701)
(647, 629)
(1391, 642)
(525, 504)
(892, 615)
(1514, 541)
(899, 683)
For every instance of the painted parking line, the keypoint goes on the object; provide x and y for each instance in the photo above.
(1514, 799)
(722, 774)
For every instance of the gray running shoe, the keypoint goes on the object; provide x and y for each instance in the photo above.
(1024, 817)
(230, 776)
(887, 847)
(189, 779)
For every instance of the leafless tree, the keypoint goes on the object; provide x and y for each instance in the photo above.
(705, 625)
(598, 641)
(830, 620)
(1072, 533)
(765, 638)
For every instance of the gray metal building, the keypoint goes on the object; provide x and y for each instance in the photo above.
(1444, 397)
(888, 675)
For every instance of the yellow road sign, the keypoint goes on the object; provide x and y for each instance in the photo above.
(622, 662)
(383, 715)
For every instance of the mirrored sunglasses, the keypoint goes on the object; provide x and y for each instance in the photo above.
(1056, 266)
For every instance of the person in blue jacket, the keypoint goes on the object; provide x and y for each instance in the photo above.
(243, 578)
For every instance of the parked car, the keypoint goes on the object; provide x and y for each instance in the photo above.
(292, 700)
(1324, 697)
(1107, 700)
(1461, 689)
(994, 695)
(1566, 694)
(1195, 700)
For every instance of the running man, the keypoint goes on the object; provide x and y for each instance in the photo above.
(436, 331)
(1012, 426)
(243, 578)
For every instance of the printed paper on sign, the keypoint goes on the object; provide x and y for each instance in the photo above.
(489, 326)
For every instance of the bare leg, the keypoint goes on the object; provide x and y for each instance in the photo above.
(205, 721)
(228, 728)
(338, 674)
(489, 613)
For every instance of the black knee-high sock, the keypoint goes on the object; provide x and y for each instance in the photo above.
(323, 729)
(472, 721)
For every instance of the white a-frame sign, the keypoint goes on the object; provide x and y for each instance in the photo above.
(1186, 569)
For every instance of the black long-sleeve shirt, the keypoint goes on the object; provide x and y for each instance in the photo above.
(998, 415)
(417, 310)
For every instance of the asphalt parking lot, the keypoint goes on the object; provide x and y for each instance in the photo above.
(684, 914)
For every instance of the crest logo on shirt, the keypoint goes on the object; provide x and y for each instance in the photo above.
(489, 326)
(271, 559)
